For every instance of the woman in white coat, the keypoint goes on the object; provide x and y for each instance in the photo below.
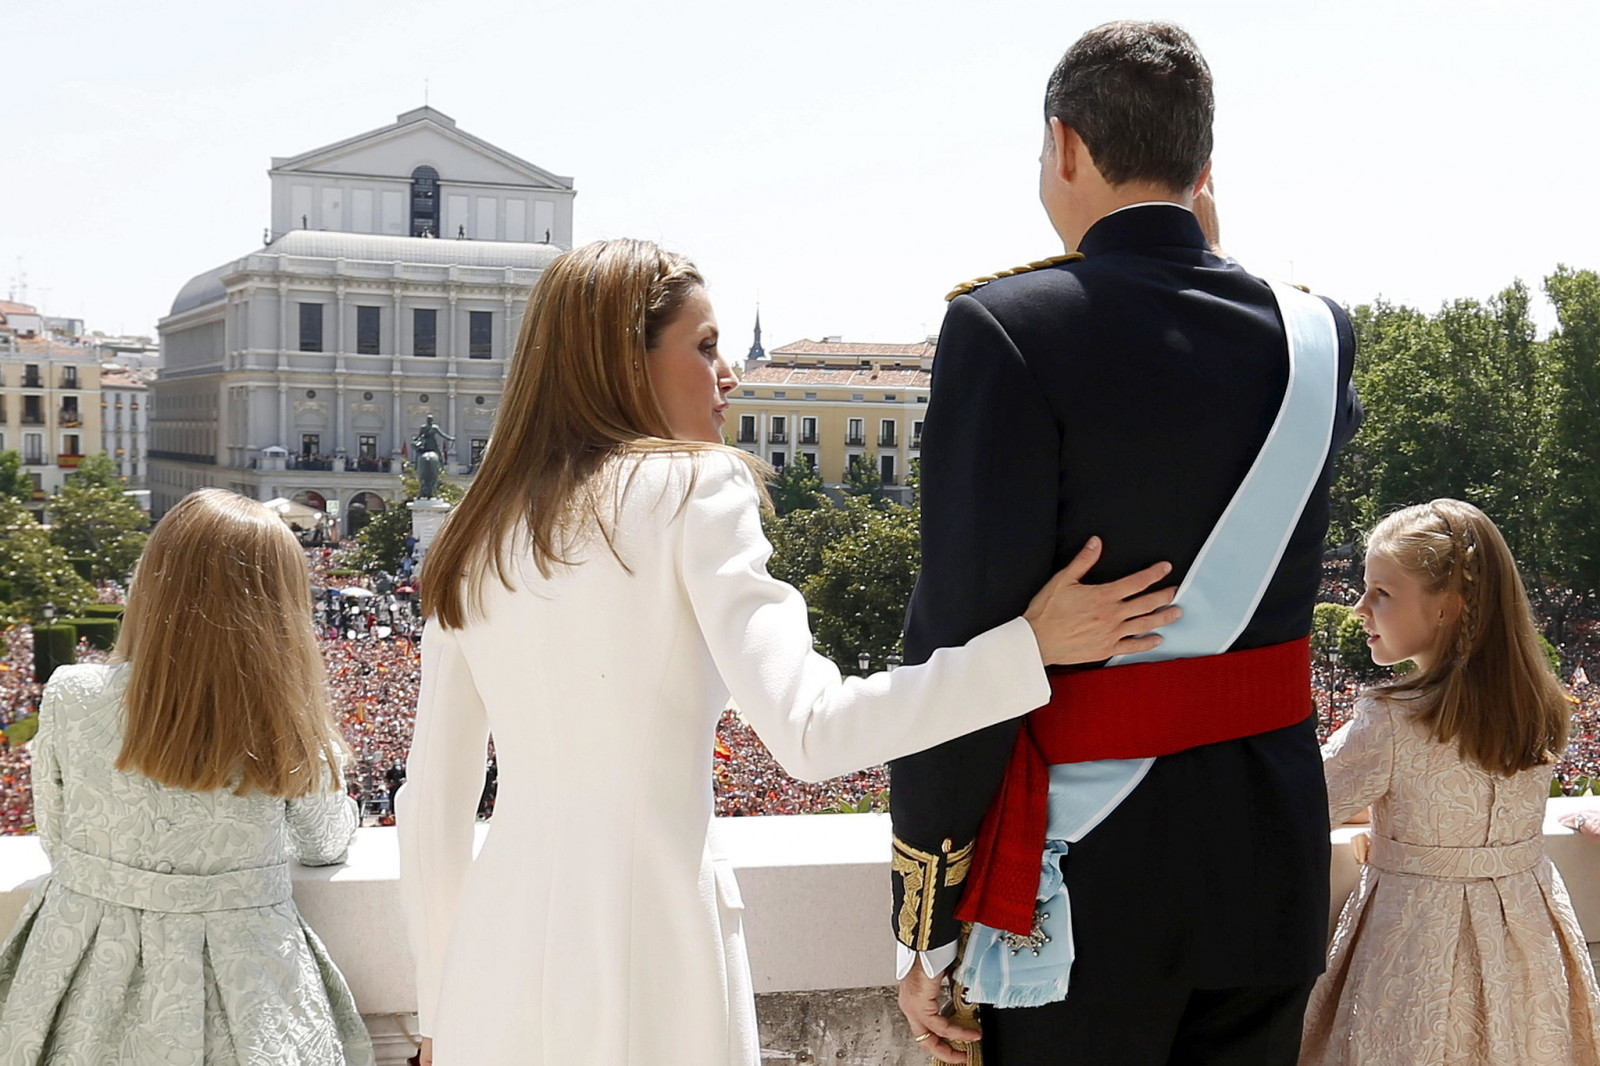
(592, 603)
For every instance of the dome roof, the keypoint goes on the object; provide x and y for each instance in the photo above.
(372, 247)
(207, 288)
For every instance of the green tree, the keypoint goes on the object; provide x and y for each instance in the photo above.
(858, 597)
(797, 487)
(382, 541)
(861, 477)
(799, 536)
(14, 484)
(1570, 511)
(98, 521)
(34, 571)
(96, 470)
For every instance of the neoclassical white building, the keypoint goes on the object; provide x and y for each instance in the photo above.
(391, 289)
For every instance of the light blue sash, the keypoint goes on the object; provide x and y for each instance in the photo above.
(1219, 596)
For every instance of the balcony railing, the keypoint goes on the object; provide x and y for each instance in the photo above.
(68, 462)
(778, 436)
(371, 465)
(855, 440)
(34, 419)
(32, 381)
(69, 417)
(886, 440)
(916, 442)
(808, 437)
(747, 436)
(888, 480)
(34, 460)
(306, 462)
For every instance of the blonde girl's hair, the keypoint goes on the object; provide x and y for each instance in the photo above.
(226, 686)
(1491, 690)
(577, 397)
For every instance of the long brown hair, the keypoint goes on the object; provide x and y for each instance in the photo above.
(577, 397)
(226, 686)
(1490, 689)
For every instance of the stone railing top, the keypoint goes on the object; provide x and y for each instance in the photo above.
(815, 888)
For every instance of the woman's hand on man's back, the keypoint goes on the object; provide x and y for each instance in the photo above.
(1078, 623)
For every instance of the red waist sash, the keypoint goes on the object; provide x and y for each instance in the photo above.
(1122, 712)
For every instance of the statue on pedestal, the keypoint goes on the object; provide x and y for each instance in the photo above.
(430, 444)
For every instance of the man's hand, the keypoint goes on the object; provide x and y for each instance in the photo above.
(1078, 623)
(919, 1002)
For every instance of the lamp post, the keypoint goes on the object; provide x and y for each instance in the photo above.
(865, 662)
(894, 660)
(47, 611)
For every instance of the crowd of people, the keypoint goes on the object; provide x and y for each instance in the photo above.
(374, 671)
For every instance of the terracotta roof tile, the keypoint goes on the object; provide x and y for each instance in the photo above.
(846, 349)
(838, 377)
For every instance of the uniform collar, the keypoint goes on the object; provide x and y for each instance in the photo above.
(1148, 225)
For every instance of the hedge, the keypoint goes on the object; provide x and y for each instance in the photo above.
(53, 646)
(99, 632)
(104, 610)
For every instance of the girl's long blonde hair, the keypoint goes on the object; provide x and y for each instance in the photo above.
(1490, 690)
(226, 685)
(577, 396)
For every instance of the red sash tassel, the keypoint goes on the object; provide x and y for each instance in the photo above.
(1123, 712)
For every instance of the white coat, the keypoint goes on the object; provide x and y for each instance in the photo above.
(596, 926)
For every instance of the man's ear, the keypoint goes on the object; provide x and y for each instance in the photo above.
(1064, 141)
(1203, 180)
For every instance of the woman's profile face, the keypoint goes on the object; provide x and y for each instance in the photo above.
(690, 378)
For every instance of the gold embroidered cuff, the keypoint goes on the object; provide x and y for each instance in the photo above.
(918, 876)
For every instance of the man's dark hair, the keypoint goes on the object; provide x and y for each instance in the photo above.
(1139, 94)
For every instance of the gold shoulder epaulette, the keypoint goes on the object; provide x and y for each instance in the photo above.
(1304, 288)
(976, 283)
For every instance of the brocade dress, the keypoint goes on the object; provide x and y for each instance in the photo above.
(1459, 944)
(165, 931)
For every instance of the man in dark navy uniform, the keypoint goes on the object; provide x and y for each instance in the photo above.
(1124, 393)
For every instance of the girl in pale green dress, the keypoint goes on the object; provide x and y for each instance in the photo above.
(172, 788)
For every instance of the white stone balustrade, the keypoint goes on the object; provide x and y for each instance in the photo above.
(815, 888)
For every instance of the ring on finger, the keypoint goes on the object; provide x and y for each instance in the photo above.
(924, 1036)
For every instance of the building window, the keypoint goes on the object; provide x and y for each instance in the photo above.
(857, 433)
(747, 429)
(748, 393)
(33, 449)
(366, 331)
(33, 410)
(310, 445)
(808, 430)
(779, 434)
(480, 334)
(30, 377)
(888, 397)
(922, 399)
(69, 377)
(778, 394)
(811, 396)
(809, 458)
(475, 454)
(70, 415)
(856, 397)
(886, 433)
(71, 441)
(424, 331)
(367, 446)
(311, 327)
(916, 433)
(777, 460)
(424, 202)
(886, 468)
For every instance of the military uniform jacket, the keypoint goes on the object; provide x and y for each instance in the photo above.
(1125, 395)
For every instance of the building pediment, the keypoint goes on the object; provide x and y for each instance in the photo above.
(417, 138)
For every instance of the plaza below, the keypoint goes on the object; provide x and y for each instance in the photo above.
(816, 895)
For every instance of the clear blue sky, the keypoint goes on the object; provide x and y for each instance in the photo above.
(848, 161)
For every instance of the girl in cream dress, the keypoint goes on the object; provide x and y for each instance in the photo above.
(598, 638)
(1459, 945)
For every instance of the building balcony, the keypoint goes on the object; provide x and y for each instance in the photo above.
(369, 465)
(307, 462)
(69, 419)
(747, 437)
(35, 460)
(808, 438)
(69, 462)
(888, 480)
(916, 442)
(854, 440)
(886, 440)
(32, 381)
(32, 420)
(816, 922)
(777, 437)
